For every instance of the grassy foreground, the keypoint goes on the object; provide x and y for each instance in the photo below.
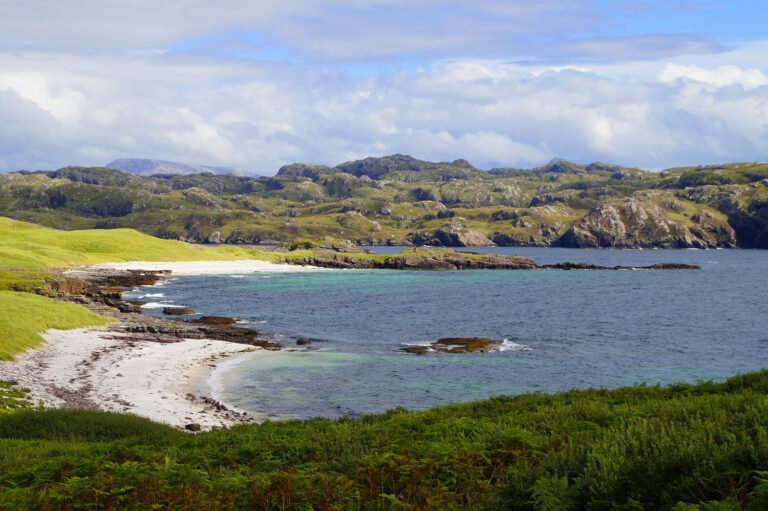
(683, 447)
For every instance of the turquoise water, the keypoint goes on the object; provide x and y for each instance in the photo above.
(564, 329)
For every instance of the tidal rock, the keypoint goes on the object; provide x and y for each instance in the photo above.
(456, 345)
(178, 311)
(303, 341)
(193, 427)
(215, 320)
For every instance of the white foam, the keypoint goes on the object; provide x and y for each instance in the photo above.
(158, 305)
(508, 345)
(153, 295)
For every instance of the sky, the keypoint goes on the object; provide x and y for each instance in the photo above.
(502, 83)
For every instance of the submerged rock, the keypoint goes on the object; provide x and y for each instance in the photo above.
(178, 311)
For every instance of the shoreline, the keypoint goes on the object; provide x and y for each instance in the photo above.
(100, 368)
(192, 268)
(167, 380)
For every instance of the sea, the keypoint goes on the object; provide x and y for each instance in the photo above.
(561, 329)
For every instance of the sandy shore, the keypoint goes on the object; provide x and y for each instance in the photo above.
(187, 268)
(101, 369)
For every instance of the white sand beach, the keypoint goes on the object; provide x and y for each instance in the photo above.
(99, 368)
(188, 268)
(107, 370)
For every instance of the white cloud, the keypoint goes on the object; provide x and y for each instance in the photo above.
(723, 76)
(118, 82)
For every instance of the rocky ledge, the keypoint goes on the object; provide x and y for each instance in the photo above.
(101, 291)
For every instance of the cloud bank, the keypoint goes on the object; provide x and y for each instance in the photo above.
(228, 84)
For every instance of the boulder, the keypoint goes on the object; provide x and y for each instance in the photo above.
(456, 345)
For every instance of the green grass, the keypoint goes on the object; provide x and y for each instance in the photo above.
(23, 316)
(28, 246)
(12, 397)
(28, 251)
(699, 446)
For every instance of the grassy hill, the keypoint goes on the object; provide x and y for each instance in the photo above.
(29, 252)
(401, 200)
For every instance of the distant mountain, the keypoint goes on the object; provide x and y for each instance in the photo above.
(147, 167)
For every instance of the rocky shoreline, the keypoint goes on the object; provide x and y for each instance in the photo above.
(426, 258)
(193, 345)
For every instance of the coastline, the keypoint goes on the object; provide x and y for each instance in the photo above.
(165, 380)
(192, 268)
(98, 368)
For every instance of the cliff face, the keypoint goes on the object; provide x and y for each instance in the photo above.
(635, 223)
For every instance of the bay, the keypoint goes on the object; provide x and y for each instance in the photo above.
(564, 329)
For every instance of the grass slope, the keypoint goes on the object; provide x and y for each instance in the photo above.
(24, 316)
(682, 447)
(29, 246)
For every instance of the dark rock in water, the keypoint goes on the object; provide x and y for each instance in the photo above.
(303, 341)
(568, 265)
(417, 349)
(467, 344)
(215, 320)
(674, 266)
(128, 308)
(178, 311)
(456, 345)
(193, 427)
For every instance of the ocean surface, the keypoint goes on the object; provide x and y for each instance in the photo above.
(563, 329)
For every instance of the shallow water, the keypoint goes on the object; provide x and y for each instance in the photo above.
(565, 329)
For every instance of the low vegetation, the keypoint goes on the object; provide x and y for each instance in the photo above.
(684, 447)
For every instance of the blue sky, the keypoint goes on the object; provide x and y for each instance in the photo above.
(501, 83)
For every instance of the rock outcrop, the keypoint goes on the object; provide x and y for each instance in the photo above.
(455, 345)
(634, 223)
(420, 258)
(451, 237)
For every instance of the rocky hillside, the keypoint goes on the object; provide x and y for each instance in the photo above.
(400, 200)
